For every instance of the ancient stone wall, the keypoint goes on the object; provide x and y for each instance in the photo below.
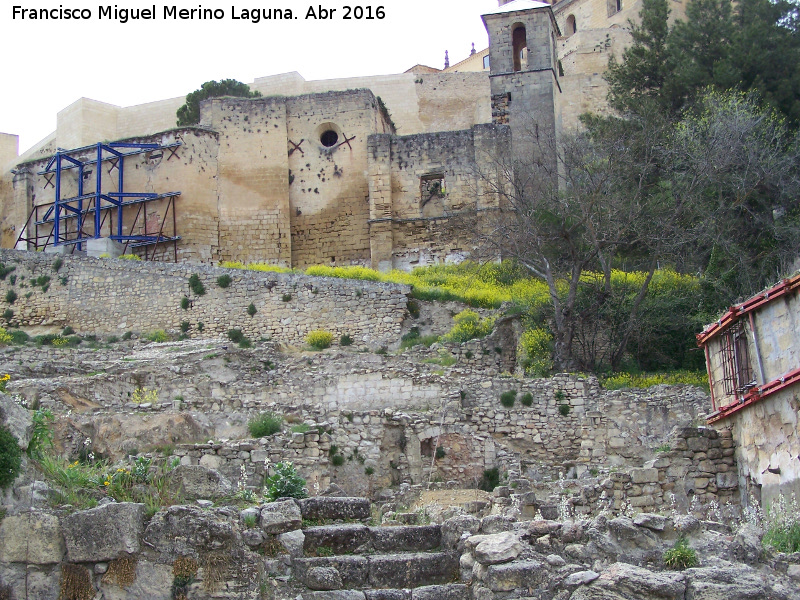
(115, 296)
(328, 194)
(191, 169)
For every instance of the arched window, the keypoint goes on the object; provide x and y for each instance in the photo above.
(519, 40)
(572, 26)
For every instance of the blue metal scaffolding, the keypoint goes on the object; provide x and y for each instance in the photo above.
(97, 205)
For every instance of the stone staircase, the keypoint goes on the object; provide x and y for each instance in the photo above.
(353, 561)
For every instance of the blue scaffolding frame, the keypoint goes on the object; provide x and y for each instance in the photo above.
(98, 203)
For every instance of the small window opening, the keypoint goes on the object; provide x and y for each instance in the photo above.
(430, 187)
(426, 447)
(486, 62)
(519, 41)
(329, 138)
(614, 6)
(734, 352)
(572, 26)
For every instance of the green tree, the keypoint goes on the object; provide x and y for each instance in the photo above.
(645, 66)
(189, 113)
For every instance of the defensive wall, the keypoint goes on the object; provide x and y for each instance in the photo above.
(110, 296)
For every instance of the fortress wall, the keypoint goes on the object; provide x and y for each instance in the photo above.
(417, 103)
(192, 170)
(328, 193)
(114, 296)
(85, 122)
(253, 182)
(9, 213)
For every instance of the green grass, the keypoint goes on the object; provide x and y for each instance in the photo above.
(265, 424)
(782, 525)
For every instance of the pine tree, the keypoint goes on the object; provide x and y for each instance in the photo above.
(189, 113)
(644, 68)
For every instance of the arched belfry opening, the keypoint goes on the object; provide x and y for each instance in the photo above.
(519, 40)
(572, 26)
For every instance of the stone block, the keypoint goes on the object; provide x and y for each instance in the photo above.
(323, 578)
(31, 537)
(510, 576)
(640, 476)
(406, 539)
(193, 482)
(325, 507)
(412, 570)
(104, 246)
(341, 539)
(354, 570)
(121, 524)
(280, 517)
(454, 591)
(727, 481)
(495, 548)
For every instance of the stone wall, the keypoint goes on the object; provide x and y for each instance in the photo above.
(114, 296)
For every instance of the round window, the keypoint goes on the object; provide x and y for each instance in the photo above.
(329, 138)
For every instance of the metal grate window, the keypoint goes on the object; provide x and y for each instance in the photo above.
(734, 354)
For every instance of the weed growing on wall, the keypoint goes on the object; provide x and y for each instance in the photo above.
(266, 423)
(319, 339)
(158, 336)
(680, 556)
(5, 336)
(11, 296)
(618, 381)
(251, 310)
(508, 398)
(224, 281)
(468, 326)
(535, 352)
(196, 285)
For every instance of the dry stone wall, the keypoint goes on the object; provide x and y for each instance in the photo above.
(114, 296)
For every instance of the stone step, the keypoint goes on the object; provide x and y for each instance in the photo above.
(453, 591)
(412, 570)
(357, 539)
(334, 508)
(384, 571)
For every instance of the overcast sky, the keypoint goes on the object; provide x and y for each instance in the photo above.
(47, 65)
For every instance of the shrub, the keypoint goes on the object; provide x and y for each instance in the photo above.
(185, 326)
(185, 303)
(345, 340)
(143, 395)
(129, 257)
(337, 460)
(11, 296)
(564, 409)
(5, 337)
(440, 453)
(286, 298)
(251, 310)
(369, 471)
(57, 264)
(18, 336)
(224, 281)
(127, 335)
(10, 457)
(469, 325)
(354, 272)
(158, 336)
(232, 264)
(618, 381)
(285, 483)
(196, 285)
(200, 326)
(680, 556)
(508, 398)
(68, 331)
(527, 399)
(413, 309)
(266, 423)
(490, 480)
(535, 352)
(235, 335)
(319, 339)
(8, 314)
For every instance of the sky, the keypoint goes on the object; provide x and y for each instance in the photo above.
(48, 64)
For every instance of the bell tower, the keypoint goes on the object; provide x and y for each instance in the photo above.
(524, 69)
